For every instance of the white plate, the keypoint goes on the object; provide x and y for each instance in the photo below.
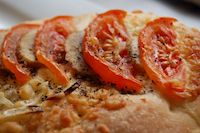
(16, 11)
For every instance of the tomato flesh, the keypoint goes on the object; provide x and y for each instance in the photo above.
(161, 57)
(9, 52)
(104, 49)
(49, 43)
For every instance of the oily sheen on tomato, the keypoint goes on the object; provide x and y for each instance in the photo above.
(104, 49)
(9, 52)
(49, 44)
(162, 59)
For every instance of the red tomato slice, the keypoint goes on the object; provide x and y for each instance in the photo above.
(9, 52)
(161, 58)
(49, 44)
(104, 49)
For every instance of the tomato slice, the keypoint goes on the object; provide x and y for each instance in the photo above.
(49, 44)
(9, 52)
(104, 49)
(161, 58)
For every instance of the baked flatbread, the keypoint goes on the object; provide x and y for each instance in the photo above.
(100, 73)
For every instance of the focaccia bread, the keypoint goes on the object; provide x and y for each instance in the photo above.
(115, 72)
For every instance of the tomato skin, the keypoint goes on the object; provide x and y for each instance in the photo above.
(10, 44)
(49, 44)
(108, 73)
(170, 79)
